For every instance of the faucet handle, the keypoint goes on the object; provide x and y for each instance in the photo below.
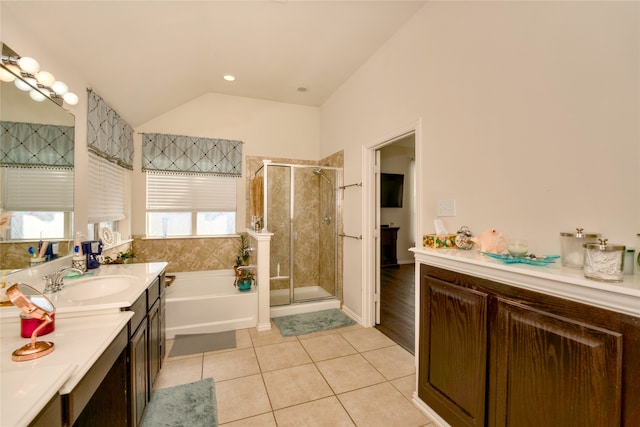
(49, 287)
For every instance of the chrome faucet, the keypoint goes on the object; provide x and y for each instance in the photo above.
(55, 282)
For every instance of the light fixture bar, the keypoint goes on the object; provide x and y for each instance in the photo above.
(27, 75)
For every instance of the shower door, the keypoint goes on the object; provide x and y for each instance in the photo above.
(302, 215)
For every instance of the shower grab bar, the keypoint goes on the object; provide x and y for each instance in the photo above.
(351, 237)
(359, 184)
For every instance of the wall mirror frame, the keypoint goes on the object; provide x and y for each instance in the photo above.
(34, 127)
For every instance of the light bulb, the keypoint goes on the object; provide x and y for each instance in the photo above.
(22, 85)
(28, 65)
(45, 78)
(6, 75)
(70, 98)
(37, 96)
(59, 88)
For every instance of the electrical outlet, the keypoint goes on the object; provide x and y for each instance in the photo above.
(447, 207)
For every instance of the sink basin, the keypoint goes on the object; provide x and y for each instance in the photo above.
(96, 287)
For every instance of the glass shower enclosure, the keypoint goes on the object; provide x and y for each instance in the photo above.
(301, 209)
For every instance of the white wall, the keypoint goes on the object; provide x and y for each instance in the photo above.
(267, 128)
(529, 114)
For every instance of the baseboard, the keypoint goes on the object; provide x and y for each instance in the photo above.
(351, 314)
(430, 413)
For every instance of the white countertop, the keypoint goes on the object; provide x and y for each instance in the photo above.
(28, 386)
(83, 330)
(554, 279)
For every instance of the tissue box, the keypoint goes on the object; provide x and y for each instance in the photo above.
(435, 241)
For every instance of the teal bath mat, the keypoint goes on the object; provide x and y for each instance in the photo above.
(187, 405)
(306, 323)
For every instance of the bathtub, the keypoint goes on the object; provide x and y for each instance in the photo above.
(199, 302)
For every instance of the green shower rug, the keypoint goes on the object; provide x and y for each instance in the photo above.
(186, 405)
(306, 323)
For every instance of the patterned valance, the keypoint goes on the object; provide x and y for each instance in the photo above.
(36, 145)
(191, 155)
(108, 136)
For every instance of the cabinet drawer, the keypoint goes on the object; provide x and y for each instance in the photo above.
(139, 309)
(153, 292)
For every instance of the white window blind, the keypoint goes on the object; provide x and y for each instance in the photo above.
(106, 190)
(38, 189)
(193, 193)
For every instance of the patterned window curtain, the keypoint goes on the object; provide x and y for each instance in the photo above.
(36, 145)
(108, 136)
(191, 155)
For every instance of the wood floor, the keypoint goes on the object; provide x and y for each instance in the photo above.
(397, 305)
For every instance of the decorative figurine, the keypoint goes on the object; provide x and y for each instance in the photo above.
(490, 241)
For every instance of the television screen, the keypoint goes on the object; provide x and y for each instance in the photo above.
(391, 186)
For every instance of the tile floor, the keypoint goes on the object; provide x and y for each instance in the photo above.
(352, 376)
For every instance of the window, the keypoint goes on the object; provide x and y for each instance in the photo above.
(190, 205)
(40, 201)
(106, 194)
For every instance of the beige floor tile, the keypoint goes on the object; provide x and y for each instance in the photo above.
(272, 336)
(243, 338)
(393, 362)
(367, 339)
(264, 420)
(327, 347)
(283, 355)
(381, 405)
(179, 371)
(349, 373)
(241, 398)
(292, 386)
(406, 385)
(327, 412)
(230, 364)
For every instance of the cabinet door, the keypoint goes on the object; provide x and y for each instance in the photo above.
(163, 326)
(154, 344)
(139, 384)
(553, 371)
(453, 351)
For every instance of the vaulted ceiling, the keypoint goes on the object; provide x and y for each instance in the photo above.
(148, 57)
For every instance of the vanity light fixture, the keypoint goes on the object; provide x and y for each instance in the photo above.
(39, 83)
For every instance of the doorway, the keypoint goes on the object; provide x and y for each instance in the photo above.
(395, 207)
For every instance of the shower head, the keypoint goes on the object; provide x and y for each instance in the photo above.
(320, 173)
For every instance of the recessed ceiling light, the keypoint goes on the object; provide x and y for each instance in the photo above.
(302, 89)
(229, 78)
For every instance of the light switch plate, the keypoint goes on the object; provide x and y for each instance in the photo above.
(447, 207)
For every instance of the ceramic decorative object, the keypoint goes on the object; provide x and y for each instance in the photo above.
(244, 286)
(490, 241)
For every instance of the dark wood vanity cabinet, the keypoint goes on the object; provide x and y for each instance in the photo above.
(146, 347)
(491, 354)
(389, 247)
(453, 351)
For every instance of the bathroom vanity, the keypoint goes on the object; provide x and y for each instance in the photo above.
(500, 344)
(108, 351)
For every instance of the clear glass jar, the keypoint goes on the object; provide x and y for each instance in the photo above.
(571, 247)
(604, 262)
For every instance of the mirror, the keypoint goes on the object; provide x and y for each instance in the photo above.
(31, 126)
(38, 311)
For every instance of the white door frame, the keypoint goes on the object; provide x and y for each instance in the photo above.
(369, 230)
